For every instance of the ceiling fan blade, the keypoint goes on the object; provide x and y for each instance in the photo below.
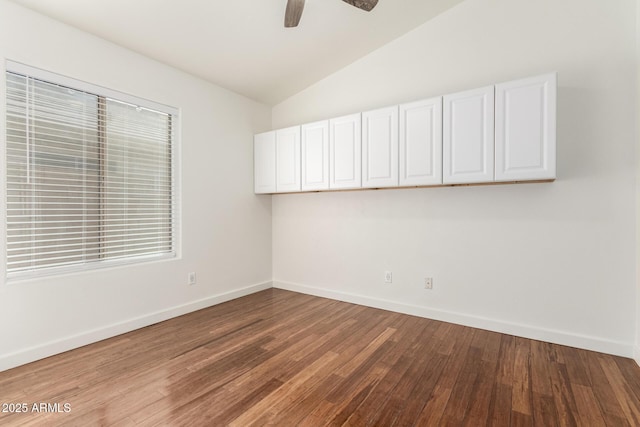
(293, 13)
(367, 5)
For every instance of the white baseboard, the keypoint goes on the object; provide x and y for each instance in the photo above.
(526, 331)
(69, 343)
(558, 337)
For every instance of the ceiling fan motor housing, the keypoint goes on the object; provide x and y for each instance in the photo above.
(294, 10)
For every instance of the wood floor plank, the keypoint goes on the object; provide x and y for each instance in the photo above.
(518, 419)
(312, 409)
(348, 368)
(350, 393)
(628, 369)
(354, 400)
(499, 411)
(432, 411)
(462, 392)
(254, 414)
(576, 369)
(402, 393)
(283, 358)
(566, 408)
(628, 401)
(412, 334)
(544, 409)
(521, 394)
(480, 398)
(588, 408)
(540, 363)
(368, 371)
(542, 403)
(603, 392)
(319, 414)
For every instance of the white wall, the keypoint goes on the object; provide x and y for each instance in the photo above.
(226, 230)
(553, 261)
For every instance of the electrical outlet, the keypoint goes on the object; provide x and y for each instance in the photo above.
(428, 283)
(192, 278)
(388, 277)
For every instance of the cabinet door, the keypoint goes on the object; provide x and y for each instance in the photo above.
(421, 142)
(344, 152)
(526, 129)
(380, 148)
(264, 163)
(288, 159)
(468, 144)
(315, 156)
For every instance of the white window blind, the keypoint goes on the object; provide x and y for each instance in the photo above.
(90, 178)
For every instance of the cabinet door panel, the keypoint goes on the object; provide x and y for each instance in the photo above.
(526, 129)
(380, 148)
(421, 142)
(315, 156)
(288, 159)
(345, 144)
(468, 133)
(264, 152)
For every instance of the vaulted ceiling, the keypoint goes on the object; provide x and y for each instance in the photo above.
(242, 44)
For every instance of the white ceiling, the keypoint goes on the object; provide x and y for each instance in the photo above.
(242, 44)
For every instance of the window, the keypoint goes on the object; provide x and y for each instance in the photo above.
(89, 173)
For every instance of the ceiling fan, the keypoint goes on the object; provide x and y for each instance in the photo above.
(294, 9)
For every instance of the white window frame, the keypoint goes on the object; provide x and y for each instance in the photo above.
(40, 74)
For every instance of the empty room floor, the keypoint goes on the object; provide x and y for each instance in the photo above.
(288, 359)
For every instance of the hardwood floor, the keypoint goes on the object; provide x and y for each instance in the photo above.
(288, 359)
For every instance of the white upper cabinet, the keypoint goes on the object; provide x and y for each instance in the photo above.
(380, 148)
(468, 131)
(526, 129)
(315, 156)
(264, 166)
(288, 159)
(345, 152)
(421, 142)
(501, 133)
